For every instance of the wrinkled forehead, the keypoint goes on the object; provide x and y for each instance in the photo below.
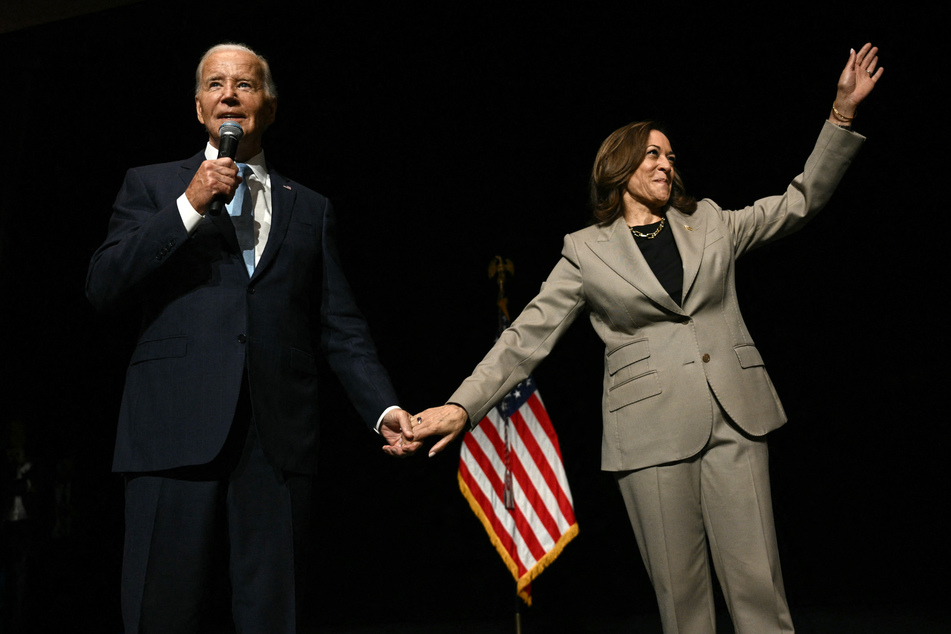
(232, 64)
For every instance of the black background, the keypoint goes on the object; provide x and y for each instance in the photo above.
(445, 136)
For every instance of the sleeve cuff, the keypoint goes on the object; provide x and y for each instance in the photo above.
(190, 217)
(379, 421)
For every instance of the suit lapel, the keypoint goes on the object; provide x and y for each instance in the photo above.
(690, 234)
(618, 250)
(282, 204)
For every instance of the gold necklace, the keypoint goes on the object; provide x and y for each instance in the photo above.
(649, 236)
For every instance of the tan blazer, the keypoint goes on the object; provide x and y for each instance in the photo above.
(663, 361)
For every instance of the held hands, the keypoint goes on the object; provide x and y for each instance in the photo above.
(448, 421)
(397, 430)
(404, 434)
(218, 176)
(857, 80)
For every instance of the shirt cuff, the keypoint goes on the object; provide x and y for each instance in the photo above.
(379, 421)
(190, 217)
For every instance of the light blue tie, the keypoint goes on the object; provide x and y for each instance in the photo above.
(241, 210)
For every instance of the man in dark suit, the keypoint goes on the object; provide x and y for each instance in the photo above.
(219, 417)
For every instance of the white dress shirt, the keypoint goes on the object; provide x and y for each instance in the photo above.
(259, 188)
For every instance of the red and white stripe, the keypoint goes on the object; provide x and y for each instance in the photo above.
(530, 535)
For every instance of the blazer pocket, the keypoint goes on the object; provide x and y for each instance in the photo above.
(625, 355)
(302, 227)
(170, 347)
(302, 361)
(748, 356)
(633, 390)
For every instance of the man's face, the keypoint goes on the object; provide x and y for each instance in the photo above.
(232, 89)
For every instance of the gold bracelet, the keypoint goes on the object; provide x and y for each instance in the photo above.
(839, 115)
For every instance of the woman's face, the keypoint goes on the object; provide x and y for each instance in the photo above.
(651, 182)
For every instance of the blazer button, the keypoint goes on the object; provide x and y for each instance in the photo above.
(242, 339)
(250, 290)
(706, 358)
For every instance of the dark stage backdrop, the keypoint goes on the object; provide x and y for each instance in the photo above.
(446, 136)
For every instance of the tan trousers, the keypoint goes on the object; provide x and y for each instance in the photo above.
(721, 495)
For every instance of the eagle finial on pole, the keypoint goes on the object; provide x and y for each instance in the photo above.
(498, 268)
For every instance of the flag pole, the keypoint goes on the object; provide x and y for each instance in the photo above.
(521, 496)
(498, 268)
(518, 613)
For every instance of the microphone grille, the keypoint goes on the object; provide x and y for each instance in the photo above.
(232, 129)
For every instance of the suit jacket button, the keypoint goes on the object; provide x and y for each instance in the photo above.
(251, 290)
(242, 339)
(706, 358)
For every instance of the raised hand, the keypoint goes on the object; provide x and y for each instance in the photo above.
(397, 430)
(857, 80)
(447, 421)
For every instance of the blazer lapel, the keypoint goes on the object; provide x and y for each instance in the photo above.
(190, 166)
(690, 234)
(282, 205)
(617, 249)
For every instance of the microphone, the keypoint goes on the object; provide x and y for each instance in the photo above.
(229, 135)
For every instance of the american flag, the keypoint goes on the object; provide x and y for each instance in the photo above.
(511, 471)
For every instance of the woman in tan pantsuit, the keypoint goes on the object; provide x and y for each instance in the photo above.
(687, 401)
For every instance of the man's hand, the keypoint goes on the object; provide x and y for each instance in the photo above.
(219, 176)
(397, 430)
(448, 421)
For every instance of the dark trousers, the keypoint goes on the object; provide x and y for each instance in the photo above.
(183, 525)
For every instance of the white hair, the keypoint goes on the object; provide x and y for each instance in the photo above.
(270, 88)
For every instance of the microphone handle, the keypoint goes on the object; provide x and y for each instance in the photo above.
(227, 146)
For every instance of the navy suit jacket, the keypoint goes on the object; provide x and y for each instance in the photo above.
(204, 319)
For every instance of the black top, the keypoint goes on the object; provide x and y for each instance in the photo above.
(663, 257)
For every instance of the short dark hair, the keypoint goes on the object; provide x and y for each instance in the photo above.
(617, 158)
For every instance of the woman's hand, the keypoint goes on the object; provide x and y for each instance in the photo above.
(447, 421)
(857, 80)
